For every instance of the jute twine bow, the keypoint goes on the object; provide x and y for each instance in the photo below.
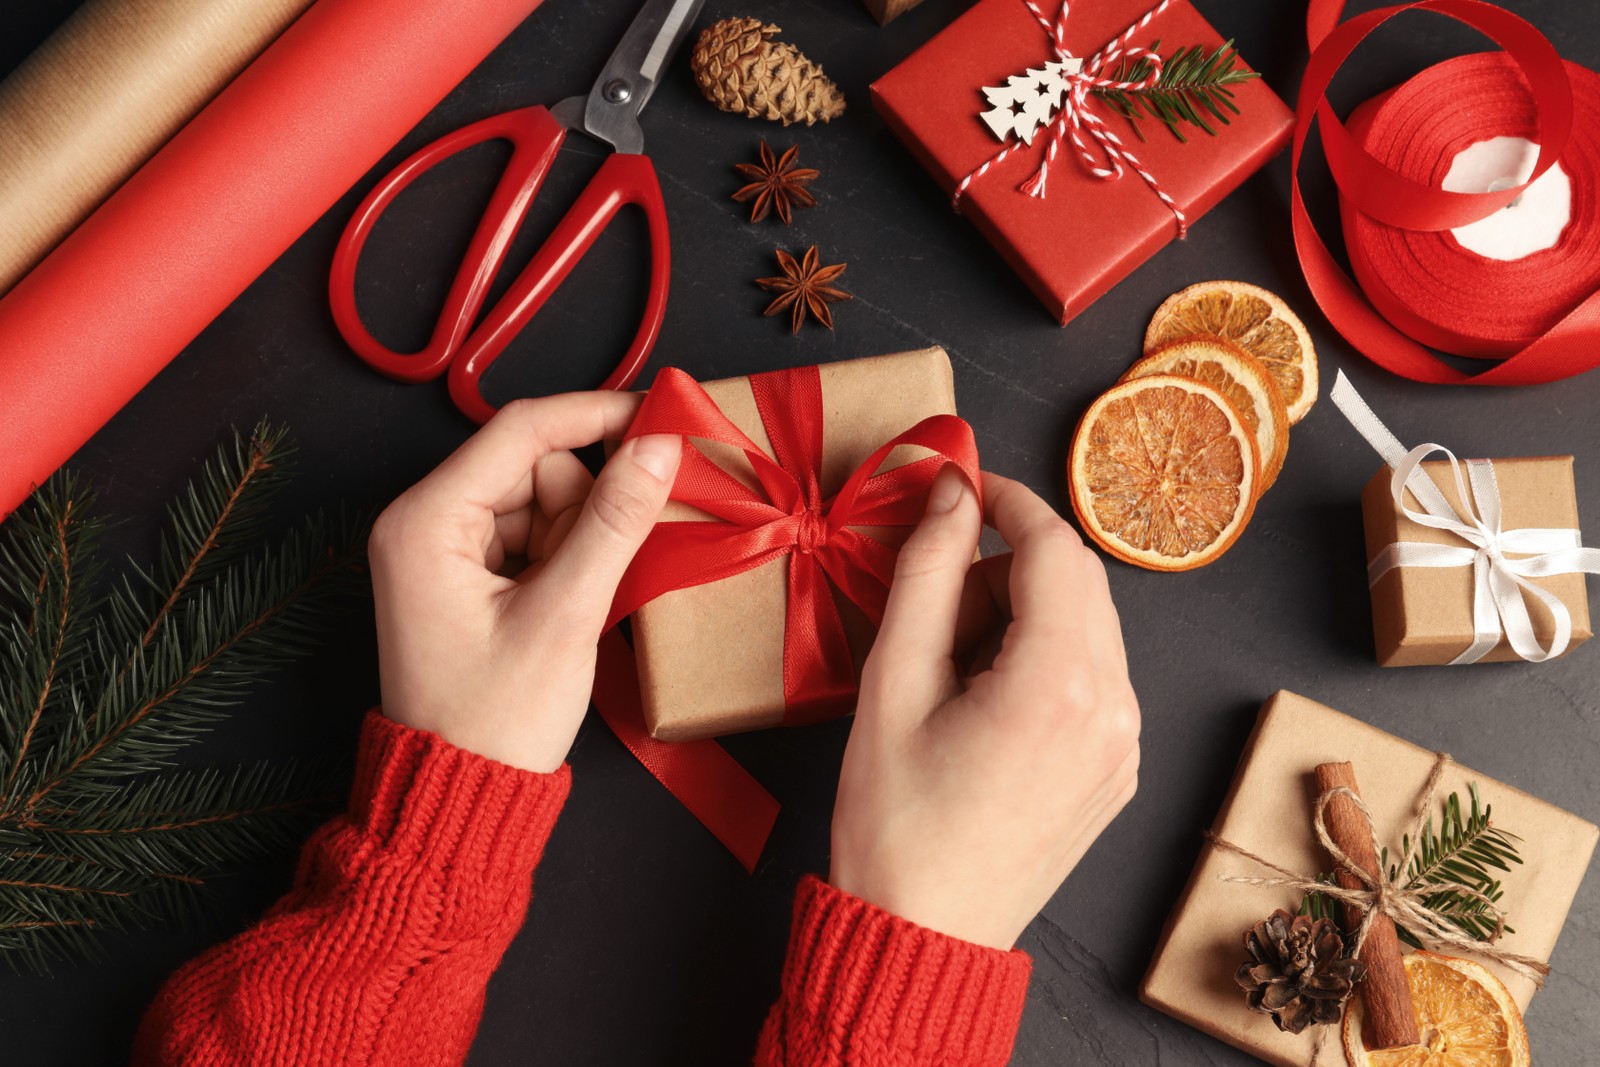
(1075, 118)
(1407, 906)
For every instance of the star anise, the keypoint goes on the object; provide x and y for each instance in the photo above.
(777, 184)
(804, 287)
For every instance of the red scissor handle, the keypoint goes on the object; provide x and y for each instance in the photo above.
(536, 138)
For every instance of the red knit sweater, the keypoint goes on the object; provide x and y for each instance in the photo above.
(401, 908)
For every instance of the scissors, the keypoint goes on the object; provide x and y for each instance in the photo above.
(609, 113)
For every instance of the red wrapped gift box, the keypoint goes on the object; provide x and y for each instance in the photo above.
(1087, 234)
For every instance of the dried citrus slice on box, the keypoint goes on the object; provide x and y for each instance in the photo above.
(1254, 319)
(1465, 1015)
(1163, 472)
(1236, 374)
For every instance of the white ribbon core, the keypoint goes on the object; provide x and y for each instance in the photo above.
(1500, 583)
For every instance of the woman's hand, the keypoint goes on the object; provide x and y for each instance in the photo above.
(494, 574)
(966, 798)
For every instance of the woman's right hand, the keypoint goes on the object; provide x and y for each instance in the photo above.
(967, 796)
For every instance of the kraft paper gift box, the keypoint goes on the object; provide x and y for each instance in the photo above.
(1086, 235)
(1268, 810)
(711, 656)
(1423, 615)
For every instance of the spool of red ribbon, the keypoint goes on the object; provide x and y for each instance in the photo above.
(1420, 287)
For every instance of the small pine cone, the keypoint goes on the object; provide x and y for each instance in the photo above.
(740, 68)
(1297, 971)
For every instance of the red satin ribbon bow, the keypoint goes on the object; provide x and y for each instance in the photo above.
(785, 514)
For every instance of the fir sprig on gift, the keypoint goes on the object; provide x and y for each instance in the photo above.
(1468, 849)
(1192, 86)
(106, 681)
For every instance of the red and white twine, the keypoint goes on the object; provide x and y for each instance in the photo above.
(1075, 119)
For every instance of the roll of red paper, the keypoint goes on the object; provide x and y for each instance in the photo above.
(143, 275)
(1538, 311)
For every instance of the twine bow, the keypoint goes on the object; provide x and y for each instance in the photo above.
(1500, 584)
(1075, 117)
(1391, 896)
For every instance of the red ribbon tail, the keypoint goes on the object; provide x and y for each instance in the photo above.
(724, 796)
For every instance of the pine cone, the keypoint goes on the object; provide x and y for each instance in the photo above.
(741, 69)
(1298, 972)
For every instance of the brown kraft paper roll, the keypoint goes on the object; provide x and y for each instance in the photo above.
(98, 98)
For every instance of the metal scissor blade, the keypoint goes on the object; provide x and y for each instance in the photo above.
(630, 77)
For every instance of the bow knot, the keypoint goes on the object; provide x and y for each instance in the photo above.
(811, 530)
(1501, 584)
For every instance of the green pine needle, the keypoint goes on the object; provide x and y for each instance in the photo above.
(1193, 89)
(104, 684)
(1467, 850)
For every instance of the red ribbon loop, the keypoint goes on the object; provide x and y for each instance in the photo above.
(1366, 184)
(785, 514)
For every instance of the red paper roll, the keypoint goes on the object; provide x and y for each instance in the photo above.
(94, 322)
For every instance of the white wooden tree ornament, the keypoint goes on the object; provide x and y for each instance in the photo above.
(1027, 102)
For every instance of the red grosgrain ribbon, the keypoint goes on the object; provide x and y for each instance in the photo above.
(784, 515)
(1075, 118)
(1542, 313)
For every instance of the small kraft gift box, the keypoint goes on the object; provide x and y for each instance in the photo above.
(1269, 812)
(1470, 560)
(718, 657)
(1002, 109)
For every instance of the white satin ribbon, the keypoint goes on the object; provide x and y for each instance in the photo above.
(1500, 584)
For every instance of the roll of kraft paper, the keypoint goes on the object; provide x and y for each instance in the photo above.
(97, 99)
(1473, 229)
(129, 288)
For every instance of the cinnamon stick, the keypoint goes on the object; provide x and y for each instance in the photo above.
(1391, 1018)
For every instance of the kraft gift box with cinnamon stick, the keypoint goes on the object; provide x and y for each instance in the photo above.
(1423, 615)
(711, 657)
(1269, 810)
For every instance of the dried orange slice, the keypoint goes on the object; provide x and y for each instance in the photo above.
(1254, 319)
(1234, 373)
(1163, 472)
(1465, 1014)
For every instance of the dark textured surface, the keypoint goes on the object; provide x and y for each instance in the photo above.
(646, 944)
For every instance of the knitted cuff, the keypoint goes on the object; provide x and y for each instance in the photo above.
(471, 826)
(864, 987)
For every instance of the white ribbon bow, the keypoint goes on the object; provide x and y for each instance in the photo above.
(1500, 584)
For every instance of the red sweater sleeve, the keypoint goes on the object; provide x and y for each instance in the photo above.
(400, 910)
(864, 988)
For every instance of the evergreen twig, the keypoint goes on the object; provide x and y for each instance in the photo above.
(1193, 85)
(102, 689)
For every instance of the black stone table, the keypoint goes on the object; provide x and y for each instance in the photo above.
(646, 943)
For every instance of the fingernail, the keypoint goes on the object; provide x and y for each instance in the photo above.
(658, 453)
(949, 486)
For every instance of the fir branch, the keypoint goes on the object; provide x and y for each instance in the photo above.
(1466, 850)
(255, 616)
(223, 509)
(99, 694)
(1192, 85)
(47, 556)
